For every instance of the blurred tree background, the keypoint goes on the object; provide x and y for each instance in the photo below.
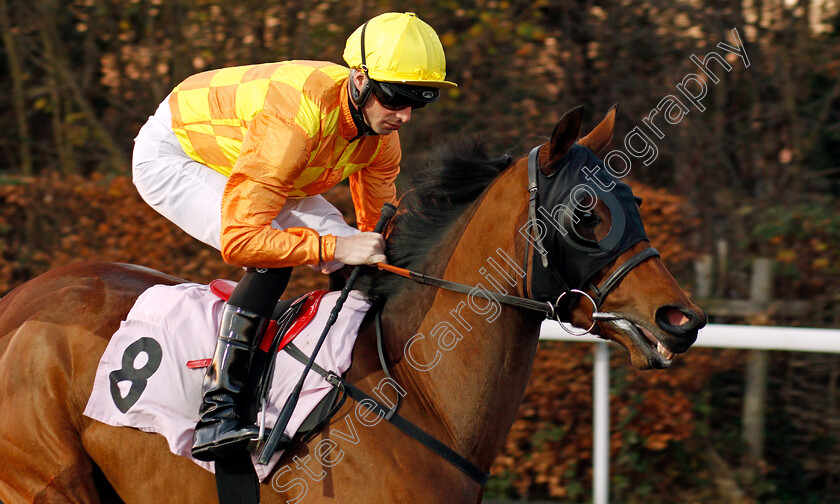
(755, 174)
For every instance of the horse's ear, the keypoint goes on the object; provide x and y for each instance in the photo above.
(562, 139)
(599, 137)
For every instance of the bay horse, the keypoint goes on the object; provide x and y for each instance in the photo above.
(460, 363)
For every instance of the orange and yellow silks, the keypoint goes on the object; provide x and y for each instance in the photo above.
(279, 131)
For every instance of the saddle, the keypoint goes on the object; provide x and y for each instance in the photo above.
(290, 316)
(236, 481)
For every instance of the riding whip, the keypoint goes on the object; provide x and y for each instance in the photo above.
(278, 436)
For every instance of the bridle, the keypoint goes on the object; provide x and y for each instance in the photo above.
(552, 310)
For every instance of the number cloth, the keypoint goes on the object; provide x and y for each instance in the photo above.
(143, 380)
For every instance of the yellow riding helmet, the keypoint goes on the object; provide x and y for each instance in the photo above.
(398, 48)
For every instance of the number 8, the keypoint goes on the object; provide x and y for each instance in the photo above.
(137, 377)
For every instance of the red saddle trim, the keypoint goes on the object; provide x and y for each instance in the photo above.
(305, 316)
(223, 289)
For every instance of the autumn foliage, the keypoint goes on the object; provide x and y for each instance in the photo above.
(654, 418)
(53, 220)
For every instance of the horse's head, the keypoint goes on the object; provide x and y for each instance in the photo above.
(587, 234)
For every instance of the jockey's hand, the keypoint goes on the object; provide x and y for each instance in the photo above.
(362, 248)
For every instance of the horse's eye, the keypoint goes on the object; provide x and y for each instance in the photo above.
(589, 219)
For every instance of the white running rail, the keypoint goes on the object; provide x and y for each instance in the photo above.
(792, 339)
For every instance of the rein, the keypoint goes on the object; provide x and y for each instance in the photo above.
(520, 302)
(551, 310)
(390, 415)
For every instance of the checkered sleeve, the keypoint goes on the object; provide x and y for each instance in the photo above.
(274, 152)
(374, 186)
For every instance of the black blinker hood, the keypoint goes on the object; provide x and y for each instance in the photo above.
(572, 259)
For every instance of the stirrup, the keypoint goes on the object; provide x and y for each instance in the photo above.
(260, 448)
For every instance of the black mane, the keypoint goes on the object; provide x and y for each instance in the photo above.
(452, 179)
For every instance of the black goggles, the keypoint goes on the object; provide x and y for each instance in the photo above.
(400, 96)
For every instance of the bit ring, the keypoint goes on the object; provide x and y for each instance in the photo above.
(594, 309)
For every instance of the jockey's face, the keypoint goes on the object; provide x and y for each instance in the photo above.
(381, 120)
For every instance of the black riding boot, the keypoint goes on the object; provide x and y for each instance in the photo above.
(222, 427)
(219, 430)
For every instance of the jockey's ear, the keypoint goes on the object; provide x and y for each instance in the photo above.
(562, 139)
(601, 136)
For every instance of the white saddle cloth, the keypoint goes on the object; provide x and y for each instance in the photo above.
(143, 380)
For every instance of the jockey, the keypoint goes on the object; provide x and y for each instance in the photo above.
(238, 157)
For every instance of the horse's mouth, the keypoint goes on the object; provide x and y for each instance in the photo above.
(646, 351)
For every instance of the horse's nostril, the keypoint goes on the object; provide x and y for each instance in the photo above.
(677, 319)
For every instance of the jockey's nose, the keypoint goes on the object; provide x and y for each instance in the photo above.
(404, 114)
(680, 324)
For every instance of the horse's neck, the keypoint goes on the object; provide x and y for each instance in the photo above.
(468, 360)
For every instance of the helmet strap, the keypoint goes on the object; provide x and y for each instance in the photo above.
(359, 97)
(356, 109)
